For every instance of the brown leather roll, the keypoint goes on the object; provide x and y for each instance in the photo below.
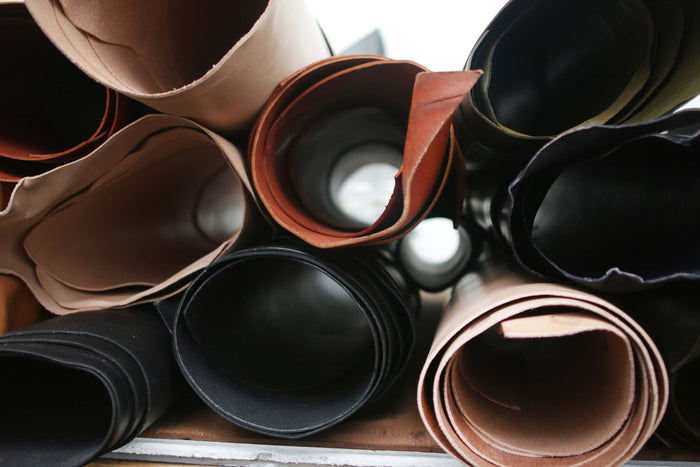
(537, 374)
(132, 221)
(18, 307)
(51, 112)
(215, 62)
(347, 112)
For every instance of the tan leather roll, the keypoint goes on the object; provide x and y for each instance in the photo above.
(51, 112)
(536, 374)
(397, 110)
(216, 62)
(132, 221)
(18, 307)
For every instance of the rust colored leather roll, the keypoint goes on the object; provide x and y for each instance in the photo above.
(530, 373)
(132, 221)
(51, 112)
(216, 62)
(18, 307)
(342, 114)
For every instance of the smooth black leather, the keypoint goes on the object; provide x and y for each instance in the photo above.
(670, 316)
(80, 385)
(610, 207)
(289, 340)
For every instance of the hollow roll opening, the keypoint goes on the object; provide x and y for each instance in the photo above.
(631, 209)
(159, 45)
(561, 63)
(344, 166)
(51, 414)
(435, 253)
(48, 105)
(171, 201)
(545, 396)
(276, 342)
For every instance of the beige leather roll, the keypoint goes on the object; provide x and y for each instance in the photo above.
(130, 222)
(216, 61)
(536, 374)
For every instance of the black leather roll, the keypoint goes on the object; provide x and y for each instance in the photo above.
(80, 385)
(670, 316)
(290, 340)
(611, 207)
(552, 65)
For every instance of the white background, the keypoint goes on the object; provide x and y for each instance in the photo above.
(438, 34)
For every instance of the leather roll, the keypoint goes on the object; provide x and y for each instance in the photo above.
(83, 385)
(530, 373)
(670, 316)
(287, 340)
(435, 255)
(18, 307)
(131, 222)
(552, 65)
(215, 62)
(613, 207)
(347, 113)
(51, 112)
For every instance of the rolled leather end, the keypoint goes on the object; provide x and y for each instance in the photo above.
(550, 66)
(670, 315)
(83, 385)
(18, 307)
(637, 229)
(216, 63)
(288, 341)
(530, 373)
(133, 221)
(346, 113)
(52, 113)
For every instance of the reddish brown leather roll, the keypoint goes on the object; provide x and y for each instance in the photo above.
(416, 107)
(51, 112)
(18, 307)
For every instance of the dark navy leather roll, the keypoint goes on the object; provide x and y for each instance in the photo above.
(290, 340)
(613, 207)
(81, 385)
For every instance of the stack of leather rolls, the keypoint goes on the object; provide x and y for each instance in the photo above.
(206, 197)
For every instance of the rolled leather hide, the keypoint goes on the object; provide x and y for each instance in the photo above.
(338, 116)
(18, 307)
(287, 340)
(610, 207)
(51, 112)
(671, 316)
(216, 62)
(131, 222)
(79, 386)
(552, 65)
(537, 374)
